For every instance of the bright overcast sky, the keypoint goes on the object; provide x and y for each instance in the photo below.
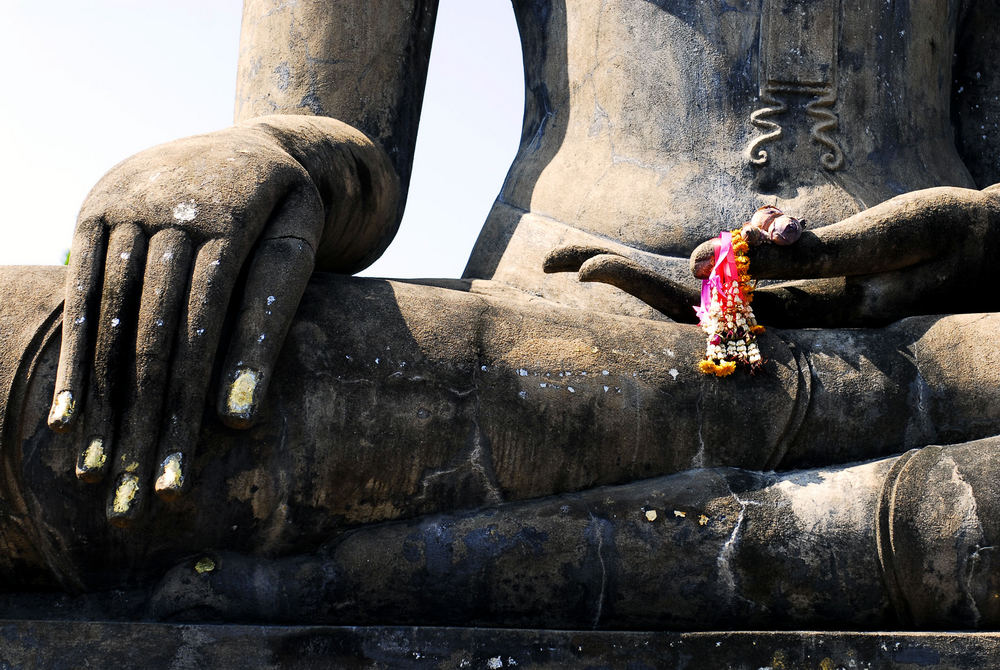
(87, 84)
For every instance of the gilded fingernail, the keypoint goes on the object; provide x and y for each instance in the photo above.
(91, 463)
(204, 565)
(241, 394)
(171, 478)
(63, 408)
(128, 487)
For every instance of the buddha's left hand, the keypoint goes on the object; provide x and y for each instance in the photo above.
(924, 252)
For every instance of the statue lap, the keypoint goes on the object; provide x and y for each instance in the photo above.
(398, 400)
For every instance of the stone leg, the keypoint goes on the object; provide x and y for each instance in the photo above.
(895, 543)
(706, 549)
(939, 536)
(390, 400)
(396, 399)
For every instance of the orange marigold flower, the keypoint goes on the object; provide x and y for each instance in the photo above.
(725, 368)
(757, 330)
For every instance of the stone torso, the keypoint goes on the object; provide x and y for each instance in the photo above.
(656, 124)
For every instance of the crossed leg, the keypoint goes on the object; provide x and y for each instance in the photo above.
(397, 399)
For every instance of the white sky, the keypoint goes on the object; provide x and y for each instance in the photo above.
(87, 84)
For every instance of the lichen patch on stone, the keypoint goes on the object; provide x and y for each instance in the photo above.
(185, 211)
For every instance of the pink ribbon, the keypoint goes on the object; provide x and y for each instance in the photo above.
(723, 272)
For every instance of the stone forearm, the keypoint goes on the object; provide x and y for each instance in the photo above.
(356, 182)
(342, 60)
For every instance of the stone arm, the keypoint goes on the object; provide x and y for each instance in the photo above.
(210, 240)
(350, 62)
(975, 101)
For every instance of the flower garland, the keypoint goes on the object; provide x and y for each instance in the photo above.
(725, 313)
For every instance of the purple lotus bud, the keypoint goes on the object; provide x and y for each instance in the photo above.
(786, 230)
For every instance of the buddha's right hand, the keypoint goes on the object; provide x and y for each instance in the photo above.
(160, 244)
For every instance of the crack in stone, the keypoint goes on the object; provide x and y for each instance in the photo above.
(970, 574)
(970, 525)
(729, 547)
(477, 459)
(698, 461)
(353, 381)
(604, 571)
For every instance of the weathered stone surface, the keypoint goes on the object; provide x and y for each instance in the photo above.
(532, 445)
(52, 644)
(419, 433)
(645, 121)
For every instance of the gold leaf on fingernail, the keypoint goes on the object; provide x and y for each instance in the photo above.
(63, 408)
(204, 565)
(241, 393)
(94, 457)
(171, 476)
(128, 486)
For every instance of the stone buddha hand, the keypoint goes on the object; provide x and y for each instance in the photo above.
(918, 253)
(165, 243)
(210, 240)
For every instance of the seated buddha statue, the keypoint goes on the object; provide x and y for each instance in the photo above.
(532, 444)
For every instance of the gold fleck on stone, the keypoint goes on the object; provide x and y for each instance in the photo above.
(241, 393)
(171, 476)
(679, 513)
(651, 515)
(125, 493)
(204, 565)
(94, 457)
(63, 408)
(702, 520)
